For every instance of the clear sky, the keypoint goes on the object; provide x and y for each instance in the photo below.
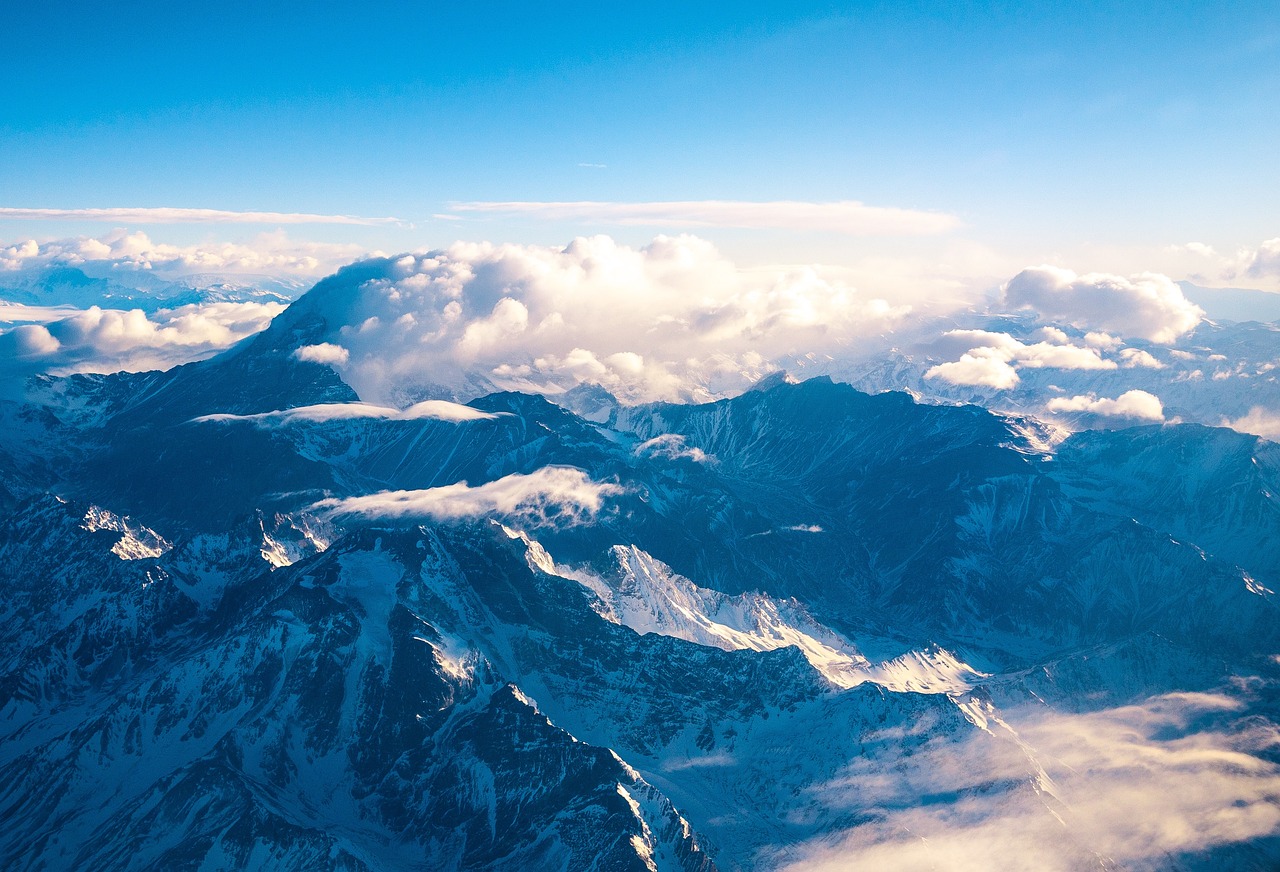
(1097, 135)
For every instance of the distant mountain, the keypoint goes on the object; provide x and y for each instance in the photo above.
(1234, 304)
(72, 286)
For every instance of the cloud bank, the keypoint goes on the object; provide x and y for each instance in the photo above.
(108, 340)
(844, 216)
(670, 321)
(551, 496)
(123, 251)
(1136, 785)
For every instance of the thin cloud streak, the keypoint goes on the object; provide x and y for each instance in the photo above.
(842, 216)
(176, 215)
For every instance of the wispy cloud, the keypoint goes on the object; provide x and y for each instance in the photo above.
(177, 215)
(840, 216)
(1259, 422)
(1137, 785)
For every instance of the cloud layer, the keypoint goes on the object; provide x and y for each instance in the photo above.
(551, 496)
(177, 215)
(843, 216)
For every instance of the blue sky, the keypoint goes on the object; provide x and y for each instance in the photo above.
(1097, 135)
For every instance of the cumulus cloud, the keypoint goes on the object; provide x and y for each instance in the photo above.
(435, 410)
(981, 367)
(992, 359)
(1258, 422)
(1136, 785)
(27, 342)
(672, 320)
(553, 495)
(176, 215)
(1147, 305)
(107, 340)
(843, 216)
(1136, 357)
(1130, 404)
(325, 352)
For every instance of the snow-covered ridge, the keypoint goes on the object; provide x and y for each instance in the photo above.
(643, 593)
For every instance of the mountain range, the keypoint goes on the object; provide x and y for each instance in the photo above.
(252, 621)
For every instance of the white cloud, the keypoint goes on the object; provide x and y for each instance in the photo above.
(1052, 334)
(1136, 784)
(672, 446)
(985, 367)
(1266, 260)
(1135, 357)
(175, 215)
(1258, 422)
(107, 340)
(1201, 249)
(1130, 404)
(325, 352)
(992, 358)
(843, 216)
(1103, 341)
(672, 320)
(27, 342)
(553, 495)
(1054, 355)
(1147, 305)
(436, 410)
